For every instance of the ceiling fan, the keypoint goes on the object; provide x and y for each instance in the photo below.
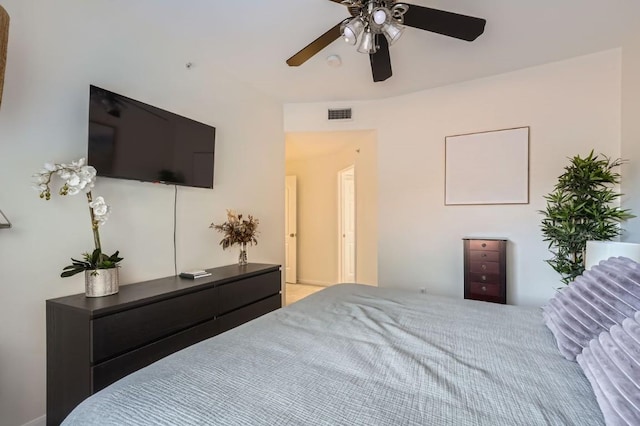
(375, 24)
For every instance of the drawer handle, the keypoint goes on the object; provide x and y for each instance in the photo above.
(484, 244)
(484, 288)
(483, 255)
(484, 267)
(483, 278)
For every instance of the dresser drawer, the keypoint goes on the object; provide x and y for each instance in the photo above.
(241, 293)
(120, 332)
(484, 255)
(492, 245)
(485, 267)
(485, 278)
(484, 289)
(116, 368)
(248, 313)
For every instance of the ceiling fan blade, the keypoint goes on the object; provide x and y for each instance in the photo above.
(381, 61)
(315, 46)
(446, 23)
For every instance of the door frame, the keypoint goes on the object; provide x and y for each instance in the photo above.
(350, 170)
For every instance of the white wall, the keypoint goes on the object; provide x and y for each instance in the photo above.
(572, 107)
(55, 52)
(317, 202)
(631, 136)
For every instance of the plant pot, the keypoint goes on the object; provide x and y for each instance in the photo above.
(101, 282)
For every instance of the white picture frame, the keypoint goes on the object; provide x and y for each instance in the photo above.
(489, 167)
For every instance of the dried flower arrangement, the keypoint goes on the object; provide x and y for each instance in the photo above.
(237, 230)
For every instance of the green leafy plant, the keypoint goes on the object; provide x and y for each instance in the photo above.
(91, 262)
(581, 208)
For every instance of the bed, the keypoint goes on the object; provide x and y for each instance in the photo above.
(360, 355)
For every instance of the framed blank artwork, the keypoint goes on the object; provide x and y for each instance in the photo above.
(487, 167)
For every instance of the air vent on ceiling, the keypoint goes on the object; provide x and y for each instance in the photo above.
(339, 114)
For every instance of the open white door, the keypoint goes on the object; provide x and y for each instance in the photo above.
(347, 217)
(290, 230)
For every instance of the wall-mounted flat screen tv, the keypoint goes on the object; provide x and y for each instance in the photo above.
(129, 139)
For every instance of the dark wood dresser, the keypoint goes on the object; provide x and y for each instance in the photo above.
(92, 342)
(485, 269)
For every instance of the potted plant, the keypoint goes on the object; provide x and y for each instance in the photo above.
(101, 270)
(238, 230)
(581, 208)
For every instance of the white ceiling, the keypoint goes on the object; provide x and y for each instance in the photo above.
(251, 39)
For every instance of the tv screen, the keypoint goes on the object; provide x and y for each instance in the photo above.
(132, 140)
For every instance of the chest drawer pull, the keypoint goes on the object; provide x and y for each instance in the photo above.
(483, 278)
(484, 244)
(484, 288)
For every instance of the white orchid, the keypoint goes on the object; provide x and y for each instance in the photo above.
(100, 210)
(78, 177)
(78, 163)
(41, 182)
(50, 167)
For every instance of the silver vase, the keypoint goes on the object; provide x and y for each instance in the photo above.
(101, 282)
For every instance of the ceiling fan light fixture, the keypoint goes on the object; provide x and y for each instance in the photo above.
(398, 10)
(349, 36)
(380, 15)
(352, 30)
(392, 31)
(367, 43)
(378, 18)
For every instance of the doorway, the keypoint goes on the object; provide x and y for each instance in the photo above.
(322, 257)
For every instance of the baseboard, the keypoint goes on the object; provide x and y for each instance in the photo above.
(314, 282)
(40, 421)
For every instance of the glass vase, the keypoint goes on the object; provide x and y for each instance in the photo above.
(242, 257)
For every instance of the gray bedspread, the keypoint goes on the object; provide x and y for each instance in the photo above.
(359, 355)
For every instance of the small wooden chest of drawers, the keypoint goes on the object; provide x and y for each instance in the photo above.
(485, 269)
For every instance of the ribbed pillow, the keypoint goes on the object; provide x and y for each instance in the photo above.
(598, 299)
(612, 364)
